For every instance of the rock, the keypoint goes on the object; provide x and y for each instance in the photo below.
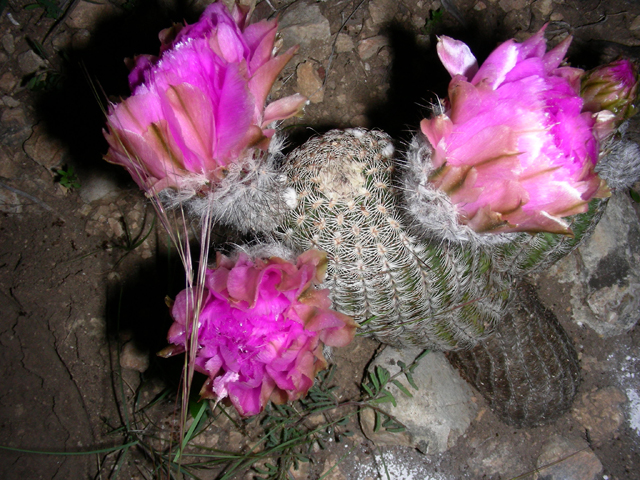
(8, 81)
(304, 25)
(382, 11)
(42, 148)
(98, 187)
(635, 23)
(604, 273)
(368, 47)
(332, 469)
(542, 8)
(14, 129)
(567, 459)
(601, 412)
(518, 20)
(30, 62)
(309, 82)
(8, 43)
(344, 43)
(495, 457)
(87, 14)
(509, 5)
(132, 358)
(439, 412)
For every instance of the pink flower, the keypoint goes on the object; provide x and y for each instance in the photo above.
(612, 87)
(201, 105)
(513, 149)
(262, 329)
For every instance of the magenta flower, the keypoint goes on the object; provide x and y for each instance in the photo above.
(513, 149)
(262, 328)
(201, 105)
(612, 87)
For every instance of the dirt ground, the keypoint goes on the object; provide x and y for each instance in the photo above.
(82, 286)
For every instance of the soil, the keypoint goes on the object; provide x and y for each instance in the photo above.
(82, 286)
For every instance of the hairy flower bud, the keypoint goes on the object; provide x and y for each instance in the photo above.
(612, 87)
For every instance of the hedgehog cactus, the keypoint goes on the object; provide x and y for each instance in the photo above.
(402, 290)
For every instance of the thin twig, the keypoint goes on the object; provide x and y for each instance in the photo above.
(33, 199)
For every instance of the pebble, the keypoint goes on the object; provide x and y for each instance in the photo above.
(132, 358)
(344, 43)
(635, 23)
(8, 43)
(368, 47)
(567, 459)
(42, 148)
(8, 81)
(542, 7)
(439, 412)
(304, 25)
(98, 187)
(87, 14)
(382, 11)
(601, 412)
(30, 62)
(309, 82)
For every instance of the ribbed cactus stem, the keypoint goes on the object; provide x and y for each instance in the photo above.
(403, 290)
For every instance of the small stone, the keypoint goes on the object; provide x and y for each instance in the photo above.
(115, 225)
(8, 43)
(567, 459)
(601, 412)
(360, 121)
(518, 20)
(98, 187)
(8, 81)
(10, 101)
(132, 358)
(236, 440)
(309, 82)
(382, 11)
(480, 6)
(42, 148)
(332, 469)
(368, 47)
(495, 458)
(635, 23)
(81, 39)
(437, 414)
(87, 14)
(304, 25)
(509, 5)
(543, 8)
(556, 17)
(30, 62)
(344, 43)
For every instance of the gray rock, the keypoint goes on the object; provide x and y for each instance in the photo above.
(87, 14)
(98, 187)
(437, 414)
(8, 43)
(601, 412)
(132, 358)
(29, 62)
(496, 457)
(42, 148)
(567, 459)
(368, 47)
(604, 273)
(382, 11)
(304, 25)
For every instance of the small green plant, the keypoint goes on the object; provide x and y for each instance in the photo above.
(435, 18)
(635, 196)
(44, 81)
(51, 9)
(68, 178)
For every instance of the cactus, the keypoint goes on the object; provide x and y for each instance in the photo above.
(403, 290)
(528, 369)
